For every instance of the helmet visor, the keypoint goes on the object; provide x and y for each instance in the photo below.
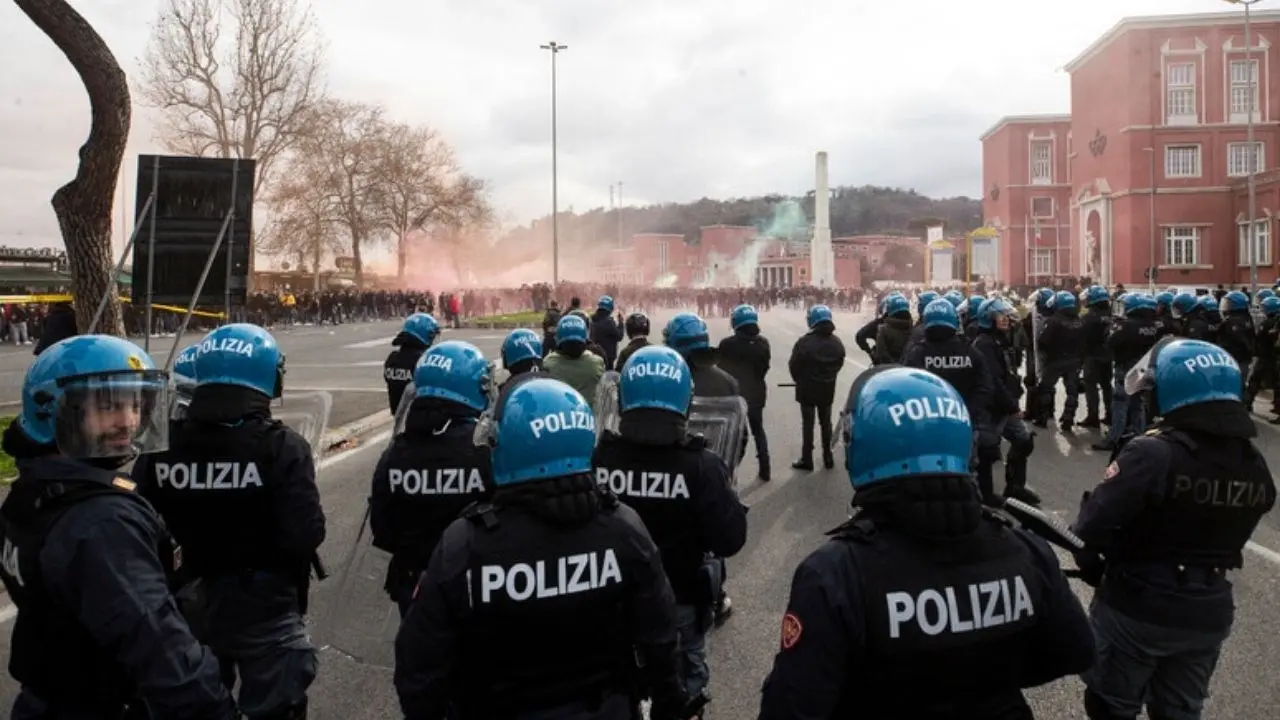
(1143, 374)
(114, 415)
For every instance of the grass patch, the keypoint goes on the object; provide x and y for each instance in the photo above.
(8, 467)
(528, 317)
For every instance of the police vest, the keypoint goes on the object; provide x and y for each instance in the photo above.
(51, 652)
(954, 617)
(660, 484)
(213, 487)
(425, 484)
(954, 361)
(1215, 495)
(550, 612)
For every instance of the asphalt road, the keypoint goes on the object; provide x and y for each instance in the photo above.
(787, 520)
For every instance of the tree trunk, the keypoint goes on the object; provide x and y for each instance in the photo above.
(400, 258)
(83, 206)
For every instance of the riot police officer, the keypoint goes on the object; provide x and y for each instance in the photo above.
(540, 600)
(184, 381)
(238, 490)
(924, 300)
(432, 469)
(1061, 346)
(87, 562)
(682, 491)
(1128, 343)
(1212, 315)
(816, 361)
(894, 331)
(637, 328)
(1236, 334)
(521, 354)
(995, 323)
(1191, 323)
(572, 362)
(1264, 368)
(746, 356)
(1171, 517)
(969, 316)
(923, 604)
(1164, 314)
(1096, 370)
(415, 336)
(605, 332)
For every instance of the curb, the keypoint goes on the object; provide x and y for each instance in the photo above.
(366, 424)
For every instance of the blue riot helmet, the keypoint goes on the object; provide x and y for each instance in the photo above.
(972, 304)
(456, 371)
(1271, 306)
(1096, 295)
(1138, 302)
(571, 328)
(955, 298)
(1164, 301)
(1064, 300)
(520, 345)
(686, 333)
(903, 422)
(895, 304)
(1234, 301)
(923, 300)
(184, 381)
(243, 355)
(991, 309)
(541, 429)
(96, 396)
(941, 313)
(1183, 304)
(1043, 298)
(185, 364)
(605, 303)
(818, 314)
(742, 316)
(1207, 303)
(1263, 294)
(655, 377)
(1181, 372)
(421, 326)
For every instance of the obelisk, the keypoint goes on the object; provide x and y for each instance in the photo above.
(822, 265)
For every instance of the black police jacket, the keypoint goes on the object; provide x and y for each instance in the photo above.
(746, 356)
(397, 369)
(422, 483)
(947, 615)
(89, 566)
(891, 340)
(816, 361)
(867, 334)
(957, 362)
(536, 601)
(606, 334)
(1237, 336)
(1132, 339)
(709, 380)
(237, 497)
(635, 344)
(1006, 386)
(1173, 512)
(683, 493)
(1097, 326)
(1063, 338)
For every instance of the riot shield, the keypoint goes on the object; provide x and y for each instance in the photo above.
(723, 422)
(361, 621)
(307, 413)
(608, 410)
(402, 410)
(1037, 326)
(183, 390)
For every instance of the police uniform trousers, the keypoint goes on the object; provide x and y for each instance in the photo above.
(807, 415)
(1127, 411)
(1066, 370)
(693, 622)
(253, 622)
(1167, 668)
(1097, 375)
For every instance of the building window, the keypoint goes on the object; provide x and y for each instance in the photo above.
(1041, 262)
(1180, 94)
(1238, 157)
(1041, 162)
(1261, 242)
(1244, 90)
(1182, 161)
(1042, 208)
(1181, 245)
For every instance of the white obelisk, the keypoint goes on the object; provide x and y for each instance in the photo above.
(822, 265)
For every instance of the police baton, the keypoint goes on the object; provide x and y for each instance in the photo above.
(786, 384)
(1049, 527)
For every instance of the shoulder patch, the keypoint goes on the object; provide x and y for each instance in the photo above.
(124, 483)
(1152, 432)
(1112, 470)
(791, 630)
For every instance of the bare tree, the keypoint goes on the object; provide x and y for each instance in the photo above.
(423, 189)
(234, 78)
(303, 225)
(83, 206)
(346, 143)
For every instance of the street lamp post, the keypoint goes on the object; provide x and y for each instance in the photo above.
(1151, 240)
(555, 49)
(1254, 82)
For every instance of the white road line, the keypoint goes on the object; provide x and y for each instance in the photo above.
(1264, 552)
(365, 345)
(361, 363)
(339, 389)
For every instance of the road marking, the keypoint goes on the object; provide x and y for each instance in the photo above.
(338, 389)
(365, 345)
(1264, 552)
(362, 363)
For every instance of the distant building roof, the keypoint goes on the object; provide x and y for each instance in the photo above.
(1023, 120)
(1150, 22)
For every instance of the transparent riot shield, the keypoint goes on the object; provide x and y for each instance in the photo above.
(402, 410)
(723, 422)
(1037, 325)
(608, 410)
(361, 622)
(307, 413)
(183, 390)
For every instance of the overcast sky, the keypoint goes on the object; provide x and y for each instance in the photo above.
(676, 99)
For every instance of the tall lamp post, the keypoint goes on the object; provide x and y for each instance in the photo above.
(555, 187)
(1151, 240)
(1254, 78)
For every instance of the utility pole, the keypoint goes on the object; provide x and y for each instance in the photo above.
(555, 49)
(1254, 75)
(619, 213)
